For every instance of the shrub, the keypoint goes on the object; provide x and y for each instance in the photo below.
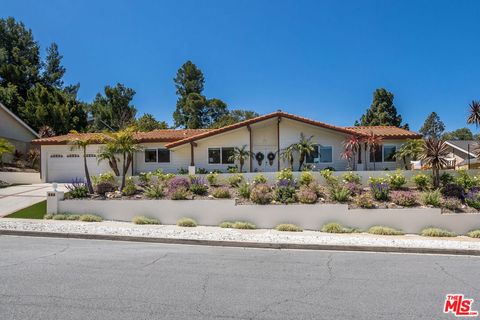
(472, 198)
(259, 178)
(243, 225)
(145, 220)
(380, 190)
(432, 198)
(353, 187)
(48, 216)
(285, 191)
(451, 203)
(396, 180)
(352, 177)
(244, 191)
(154, 191)
(232, 169)
(182, 171)
(465, 180)
(474, 234)
(330, 179)
(59, 217)
(421, 181)
(340, 194)
(235, 180)
(365, 201)
(103, 187)
(453, 190)
(90, 218)
(307, 194)
(104, 177)
(404, 198)
(177, 183)
(288, 227)
(201, 171)
(334, 227)
(437, 232)
(386, 231)
(144, 178)
(212, 178)
(261, 194)
(180, 193)
(130, 188)
(306, 178)
(198, 186)
(372, 180)
(446, 178)
(73, 217)
(221, 193)
(77, 189)
(226, 224)
(285, 174)
(186, 222)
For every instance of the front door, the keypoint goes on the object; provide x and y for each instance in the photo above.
(265, 159)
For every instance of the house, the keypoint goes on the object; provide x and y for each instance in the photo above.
(265, 136)
(463, 154)
(15, 131)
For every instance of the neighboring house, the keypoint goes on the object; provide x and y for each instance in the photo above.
(17, 132)
(265, 136)
(463, 154)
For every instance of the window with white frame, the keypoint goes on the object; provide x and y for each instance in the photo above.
(389, 153)
(220, 155)
(320, 154)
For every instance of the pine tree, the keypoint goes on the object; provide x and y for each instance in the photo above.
(382, 111)
(53, 70)
(433, 127)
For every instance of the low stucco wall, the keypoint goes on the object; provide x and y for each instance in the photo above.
(21, 177)
(309, 217)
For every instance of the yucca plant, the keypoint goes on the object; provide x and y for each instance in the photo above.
(474, 113)
(240, 155)
(434, 155)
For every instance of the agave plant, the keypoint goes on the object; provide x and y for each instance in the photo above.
(434, 155)
(240, 155)
(474, 117)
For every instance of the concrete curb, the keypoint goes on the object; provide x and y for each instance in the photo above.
(242, 244)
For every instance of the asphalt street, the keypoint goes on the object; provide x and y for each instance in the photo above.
(46, 278)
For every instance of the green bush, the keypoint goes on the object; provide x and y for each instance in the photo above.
(340, 194)
(154, 191)
(90, 218)
(365, 201)
(63, 216)
(288, 227)
(285, 174)
(73, 217)
(244, 191)
(396, 180)
(130, 189)
(380, 190)
(186, 222)
(285, 194)
(243, 225)
(386, 231)
(330, 179)
(48, 216)
(104, 177)
(306, 178)
(226, 224)
(212, 178)
(307, 194)
(145, 220)
(261, 194)
(235, 180)
(465, 180)
(104, 186)
(446, 178)
(432, 198)
(421, 181)
(221, 193)
(352, 177)
(199, 189)
(334, 227)
(474, 234)
(180, 193)
(59, 217)
(144, 178)
(259, 179)
(437, 232)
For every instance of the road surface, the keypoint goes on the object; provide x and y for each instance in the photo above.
(44, 278)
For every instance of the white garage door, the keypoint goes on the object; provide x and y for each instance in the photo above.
(65, 167)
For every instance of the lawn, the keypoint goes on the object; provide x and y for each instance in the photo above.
(36, 211)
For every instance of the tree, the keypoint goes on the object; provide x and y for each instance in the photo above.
(459, 134)
(434, 155)
(126, 145)
(240, 155)
(382, 111)
(147, 122)
(234, 116)
(287, 155)
(109, 153)
(53, 71)
(81, 143)
(373, 142)
(433, 127)
(352, 146)
(304, 147)
(113, 111)
(474, 116)
(411, 149)
(5, 148)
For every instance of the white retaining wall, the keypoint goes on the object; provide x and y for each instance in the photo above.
(309, 217)
(21, 177)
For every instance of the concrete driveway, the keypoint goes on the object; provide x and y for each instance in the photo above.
(18, 197)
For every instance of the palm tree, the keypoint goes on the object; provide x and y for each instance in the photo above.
(352, 146)
(373, 142)
(81, 143)
(125, 143)
(434, 155)
(109, 153)
(240, 155)
(287, 155)
(411, 149)
(304, 147)
(5, 148)
(474, 117)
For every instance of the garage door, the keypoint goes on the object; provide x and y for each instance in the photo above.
(65, 167)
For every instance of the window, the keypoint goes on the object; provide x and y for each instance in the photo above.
(377, 157)
(214, 155)
(73, 155)
(163, 155)
(320, 154)
(150, 155)
(90, 155)
(389, 153)
(227, 154)
(56, 156)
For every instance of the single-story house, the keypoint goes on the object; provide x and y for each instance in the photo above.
(265, 136)
(463, 154)
(15, 131)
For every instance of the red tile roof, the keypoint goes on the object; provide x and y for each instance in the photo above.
(386, 132)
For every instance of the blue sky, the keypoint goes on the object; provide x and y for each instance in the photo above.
(319, 59)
